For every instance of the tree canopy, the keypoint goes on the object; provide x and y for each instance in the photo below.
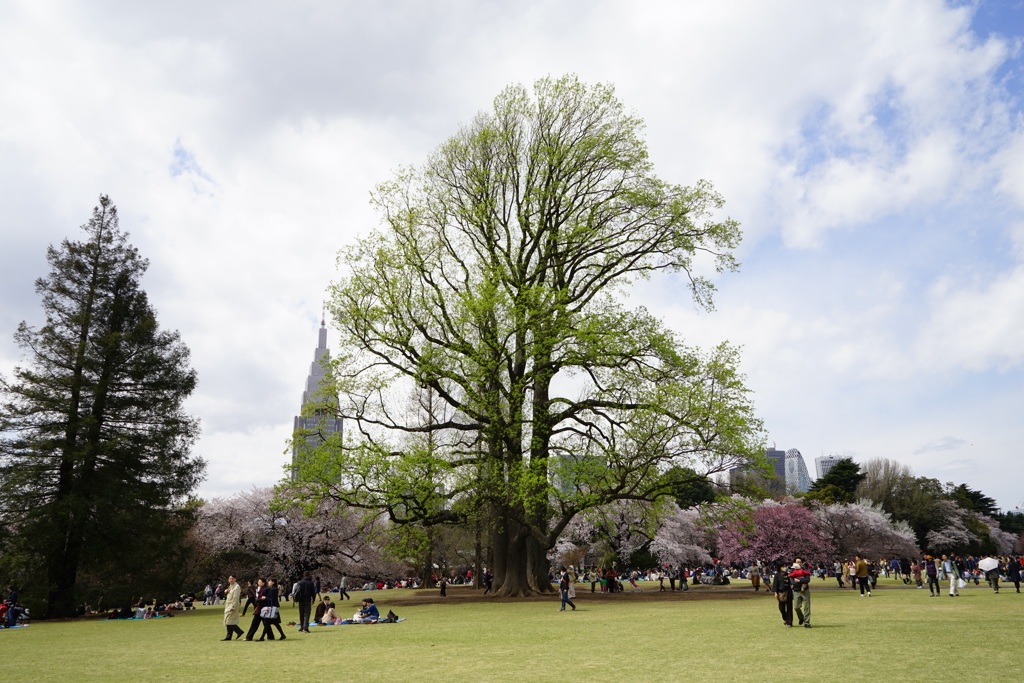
(95, 463)
(496, 286)
(845, 476)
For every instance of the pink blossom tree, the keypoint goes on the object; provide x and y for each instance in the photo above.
(774, 532)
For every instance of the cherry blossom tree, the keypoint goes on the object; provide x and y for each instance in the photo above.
(614, 532)
(1004, 541)
(774, 532)
(951, 532)
(864, 529)
(681, 540)
(288, 539)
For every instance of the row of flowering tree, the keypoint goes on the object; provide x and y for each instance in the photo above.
(737, 530)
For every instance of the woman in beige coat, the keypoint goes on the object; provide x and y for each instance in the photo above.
(232, 608)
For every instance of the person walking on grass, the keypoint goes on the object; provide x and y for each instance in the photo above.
(343, 588)
(861, 571)
(305, 591)
(800, 579)
(915, 571)
(250, 596)
(1013, 570)
(258, 603)
(931, 571)
(992, 574)
(232, 608)
(952, 572)
(783, 593)
(754, 572)
(271, 612)
(563, 589)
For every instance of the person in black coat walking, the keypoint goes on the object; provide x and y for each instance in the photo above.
(259, 601)
(269, 622)
(1013, 570)
(783, 593)
(563, 589)
(305, 591)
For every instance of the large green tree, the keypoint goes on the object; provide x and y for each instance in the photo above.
(95, 460)
(498, 284)
(839, 484)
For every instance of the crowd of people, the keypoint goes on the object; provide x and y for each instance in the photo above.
(790, 583)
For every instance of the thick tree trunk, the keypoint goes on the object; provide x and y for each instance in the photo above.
(515, 583)
(521, 562)
(499, 552)
(428, 561)
(477, 562)
(537, 567)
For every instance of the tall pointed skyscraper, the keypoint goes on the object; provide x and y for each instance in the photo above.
(312, 429)
(798, 480)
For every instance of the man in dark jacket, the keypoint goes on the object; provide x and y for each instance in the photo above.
(12, 602)
(304, 593)
(321, 610)
(800, 579)
(783, 593)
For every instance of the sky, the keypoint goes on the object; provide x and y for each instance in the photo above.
(873, 152)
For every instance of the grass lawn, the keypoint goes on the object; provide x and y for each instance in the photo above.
(728, 634)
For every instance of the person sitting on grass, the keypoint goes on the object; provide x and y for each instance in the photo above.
(330, 616)
(321, 610)
(368, 614)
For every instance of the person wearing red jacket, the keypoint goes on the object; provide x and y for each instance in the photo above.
(800, 579)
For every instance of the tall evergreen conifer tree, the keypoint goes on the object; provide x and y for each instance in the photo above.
(94, 443)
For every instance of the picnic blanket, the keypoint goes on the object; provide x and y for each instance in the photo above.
(349, 622)
(17, 626)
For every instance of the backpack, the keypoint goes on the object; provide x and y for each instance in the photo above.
(391, 618)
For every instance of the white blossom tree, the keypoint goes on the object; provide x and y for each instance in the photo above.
(952, 532)
(864, 529)
(288, 540)
(680, 540)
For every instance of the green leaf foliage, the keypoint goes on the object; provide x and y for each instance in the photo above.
(489, 367)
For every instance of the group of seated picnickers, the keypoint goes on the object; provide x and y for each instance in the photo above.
(145, 610)
(326, 615)
(13, 615)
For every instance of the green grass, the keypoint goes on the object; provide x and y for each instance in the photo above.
(727, 634)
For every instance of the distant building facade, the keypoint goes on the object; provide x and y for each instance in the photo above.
(779, 459)
(797, 478)
(775, 484)
(825, 463)
(313, 428)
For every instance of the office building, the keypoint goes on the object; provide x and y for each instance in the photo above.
(797, 478)
(314, 426)
(825, 463)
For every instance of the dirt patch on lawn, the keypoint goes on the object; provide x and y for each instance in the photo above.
(465, 595)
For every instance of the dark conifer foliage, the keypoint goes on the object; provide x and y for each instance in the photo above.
(95, 462)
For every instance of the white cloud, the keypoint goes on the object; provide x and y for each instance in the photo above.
(946, 443)
(240, 141)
